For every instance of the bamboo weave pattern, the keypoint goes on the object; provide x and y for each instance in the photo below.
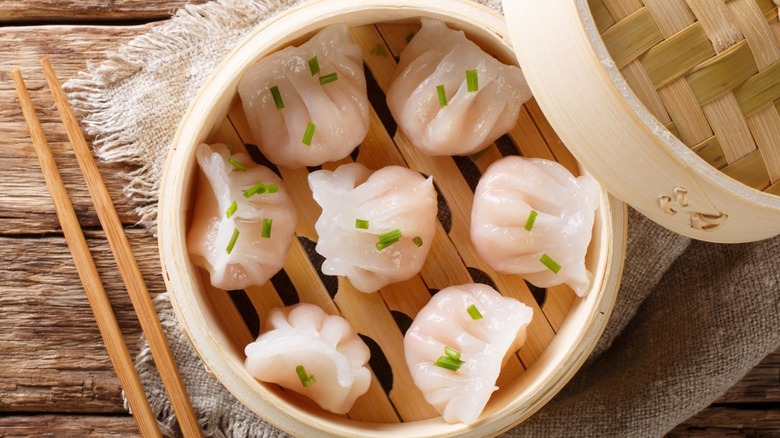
(709, 70)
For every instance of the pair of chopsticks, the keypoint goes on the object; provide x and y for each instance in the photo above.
(128, 267)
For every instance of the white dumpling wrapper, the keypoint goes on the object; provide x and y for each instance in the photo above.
(484, 344)
(253, 259)
(506, 194)
(339, 109)
(325, 345)
(470, 121)
(391, 198)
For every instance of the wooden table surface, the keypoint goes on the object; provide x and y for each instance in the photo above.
(55, 376)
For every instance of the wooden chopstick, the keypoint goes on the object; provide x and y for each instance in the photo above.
(85, 265)
(128, 266)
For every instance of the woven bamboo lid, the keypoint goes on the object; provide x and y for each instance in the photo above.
(672, 104)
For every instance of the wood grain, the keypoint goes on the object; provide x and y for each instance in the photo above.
(51, 358)
(88, 10)
(87, 271)
(104, 426)
(760, 385)
(25, 206)
(723, 421)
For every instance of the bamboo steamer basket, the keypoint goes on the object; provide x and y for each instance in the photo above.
(220, 323)
(672, 104)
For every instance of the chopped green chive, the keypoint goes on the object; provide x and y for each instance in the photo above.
(314, 66)
(260, 189)
(309, 134)
(550, 263)
(529, 223)
(361, 224)
(306, 380)
(442, 95)
(451, 352)
(417, 241)
(229, 145)
(329, 78)
(277, 97)
(379, 50)
(472, 81)
(233, 240)
(236, 164)
(474, 312)
(232, 209)
(257, 188)
(266, 233)
(409, 37)
(450, 360)
(449, 363)
(387, 239)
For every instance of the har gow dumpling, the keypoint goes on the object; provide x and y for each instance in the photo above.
(307, 105)
(243, 222)
(375, 228)
(451, 98)
(457, 345)
(532, 217)
(305, 350)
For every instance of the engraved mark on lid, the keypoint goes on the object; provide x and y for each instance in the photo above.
(678, 201)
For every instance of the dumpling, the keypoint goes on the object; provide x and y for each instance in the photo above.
(457, 345)
(534, 218)
(451, 98)
(304, 349)
(243, 220)
(307, 105)
(375, 228)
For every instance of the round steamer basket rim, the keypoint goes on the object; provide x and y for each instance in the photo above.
(611, 132)
(532, 389)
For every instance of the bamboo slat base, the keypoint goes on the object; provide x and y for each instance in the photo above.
(233, 317)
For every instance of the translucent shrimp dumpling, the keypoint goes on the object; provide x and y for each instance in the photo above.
(243, 220)
(451, 98)
(457, 345)
(375, 228)
(307, 105)
(532, 217)
(305, 350)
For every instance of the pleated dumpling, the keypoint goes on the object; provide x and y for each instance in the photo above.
(532, 217)
(457, 345)
(307, 105)
(304, 349)
(243, 220)
(451, 98)
(376, 227)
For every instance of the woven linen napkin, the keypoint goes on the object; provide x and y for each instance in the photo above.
(690, 320)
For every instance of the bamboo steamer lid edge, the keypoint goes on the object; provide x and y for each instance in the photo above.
(613, 135)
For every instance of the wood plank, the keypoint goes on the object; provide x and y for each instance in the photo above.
(720, 421)
(36, 273)
(760, 385)
(749, 408)
(52, 358)
(88, 10)
(103, 426)
(25, 205)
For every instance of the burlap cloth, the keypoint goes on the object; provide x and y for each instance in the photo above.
(691, 318)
